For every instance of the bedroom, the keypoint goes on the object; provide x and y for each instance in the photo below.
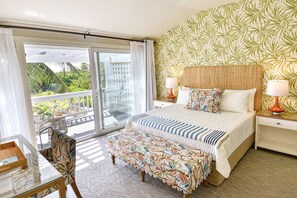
(250, 32)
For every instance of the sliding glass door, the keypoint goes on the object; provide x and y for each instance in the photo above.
(61, 95)
(112, 82)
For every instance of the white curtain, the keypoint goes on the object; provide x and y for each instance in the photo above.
(138, 65)
(143, 74)
(13, 115)
(150, 75)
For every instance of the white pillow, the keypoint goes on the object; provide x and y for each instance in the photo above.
(183, 95)
(251, 101)
(235, 101)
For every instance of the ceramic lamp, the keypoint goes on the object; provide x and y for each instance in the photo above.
(170, 84)
(277, 88)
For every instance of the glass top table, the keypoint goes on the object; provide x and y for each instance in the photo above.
(38, 176)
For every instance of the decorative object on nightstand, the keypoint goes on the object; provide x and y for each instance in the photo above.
(276, 132)
(170, 84)
(277, 88)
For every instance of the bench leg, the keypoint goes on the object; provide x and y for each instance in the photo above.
(205, 183)
(113, 159)
(187, 196)
(142, 175)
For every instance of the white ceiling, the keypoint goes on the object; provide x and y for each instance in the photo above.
(126, 18)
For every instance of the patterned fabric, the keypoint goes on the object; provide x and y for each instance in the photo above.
(179, 166)
(62, 155)
(193, 102)
(203, 134)
(209, 100)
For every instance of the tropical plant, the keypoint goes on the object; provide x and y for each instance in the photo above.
(42, 78)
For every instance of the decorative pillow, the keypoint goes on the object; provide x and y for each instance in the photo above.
(251, 101)
(235, 101)
(183, 95)
(209, 100)
(193, 102)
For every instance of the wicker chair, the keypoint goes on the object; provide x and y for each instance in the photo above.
(62, 154)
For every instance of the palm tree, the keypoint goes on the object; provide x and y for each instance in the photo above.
(42, 78)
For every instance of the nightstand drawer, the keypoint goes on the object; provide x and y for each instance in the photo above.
(279, 123)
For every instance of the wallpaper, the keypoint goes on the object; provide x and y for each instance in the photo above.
(248, 32)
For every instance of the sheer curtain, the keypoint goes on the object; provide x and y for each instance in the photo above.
(138, 65)
(150, 75)
(13, 115)
(143, 74)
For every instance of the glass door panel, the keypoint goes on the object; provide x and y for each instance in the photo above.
(61, 92)
(114, 88)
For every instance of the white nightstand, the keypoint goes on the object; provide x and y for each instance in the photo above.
(160, 103)
(278, 133)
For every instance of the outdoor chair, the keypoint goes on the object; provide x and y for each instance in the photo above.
(62, 154)
(46, 123)
(42, 122)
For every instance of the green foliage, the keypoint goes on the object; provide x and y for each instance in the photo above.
(83, 82)
(42, 78)
(44, 109)
(44, 81)
(68, 77)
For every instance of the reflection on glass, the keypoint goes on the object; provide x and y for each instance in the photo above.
(116, 87)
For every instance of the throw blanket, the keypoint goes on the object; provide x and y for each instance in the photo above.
(209, 136)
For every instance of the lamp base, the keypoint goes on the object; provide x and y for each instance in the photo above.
(171, 97)
(276, 113)
(276, 109)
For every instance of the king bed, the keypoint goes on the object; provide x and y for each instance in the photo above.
(227, 135)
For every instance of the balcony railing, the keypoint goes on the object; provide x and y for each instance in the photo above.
(67, 103)
(77, 107)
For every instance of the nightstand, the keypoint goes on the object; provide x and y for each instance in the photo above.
(160, 103)
(278, 133)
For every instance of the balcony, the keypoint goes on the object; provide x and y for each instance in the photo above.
(73, 113)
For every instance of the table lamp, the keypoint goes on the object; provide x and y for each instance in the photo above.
(277, 88)
(171, 83)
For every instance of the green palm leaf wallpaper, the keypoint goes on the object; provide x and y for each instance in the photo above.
(248, 32)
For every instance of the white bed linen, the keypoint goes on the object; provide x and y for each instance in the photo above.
(239, 126)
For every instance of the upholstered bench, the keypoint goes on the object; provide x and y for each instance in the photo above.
(181, 167)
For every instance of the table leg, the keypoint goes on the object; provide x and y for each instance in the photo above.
(142, 175)
(62, 188)
(186, 195)
(113, 159)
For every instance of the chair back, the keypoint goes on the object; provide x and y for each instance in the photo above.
(63, 148)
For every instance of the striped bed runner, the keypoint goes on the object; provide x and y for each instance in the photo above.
(209, 136)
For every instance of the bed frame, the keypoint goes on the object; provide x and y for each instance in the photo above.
(227, 77)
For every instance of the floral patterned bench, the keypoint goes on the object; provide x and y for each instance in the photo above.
(181, 167)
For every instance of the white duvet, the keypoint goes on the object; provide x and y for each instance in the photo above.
(239, 126)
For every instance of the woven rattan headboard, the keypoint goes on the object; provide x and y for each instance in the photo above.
(227, 77)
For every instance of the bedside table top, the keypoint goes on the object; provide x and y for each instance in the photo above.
(283, 116)
(164, 100)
